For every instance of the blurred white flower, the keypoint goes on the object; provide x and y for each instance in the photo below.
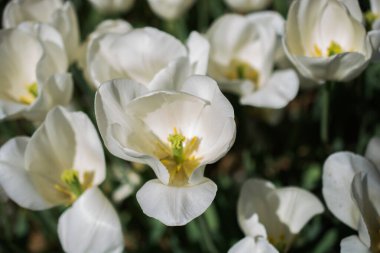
(277, 215)
(245, 6)
(62, 165)
(250, 245)
(327, 41)
(373, 16)
(112, 6)
(61, 15)
(148, 56)
(170, 9)
(351, 185)
(33, 72)
(176, 133)
(105, 27)
(242, 58)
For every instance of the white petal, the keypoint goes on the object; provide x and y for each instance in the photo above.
(91, 225)
(14, 179)
(175, 206)
(280, 89)
(338, 172)
(375, 5)
(57, 91)
(170, 9)
(255, 209)
(352, 244)
(199, 49)
(374, 38)
(373, 151)
(269, 19)
(354, 9)
(365, 190)
(89, 154)
(297, 207)
(112, 6)
(248, 5)
(250, 245)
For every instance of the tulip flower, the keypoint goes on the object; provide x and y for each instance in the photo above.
(62, 165)
(112, 6)
(32, 72)
(373, 16)
(249, 245)
(326, 40)
(170, 9)
(105, 27)
(56, 13)
(176, 133)
(242, 59)
(147, 56)
(245, 6)
(276, 215)
(351, 184)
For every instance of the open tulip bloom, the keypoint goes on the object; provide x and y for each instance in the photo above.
(351, 187)
(147, 56)
(327, 41)
(33, 72)
(267, 214)
(61, 15)
(62, 165)
(176, 133)
(242, 59)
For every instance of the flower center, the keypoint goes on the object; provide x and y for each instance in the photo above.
(72, 187)
(333, 49)
(240, 70)
(31, 95)
(178, 157)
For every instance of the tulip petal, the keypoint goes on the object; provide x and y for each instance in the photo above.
(250, 245)
(175, 206)
(354, 9)
(14, 179)
(373, 151)
(297, 207)
(352, 244)
(338, 173)
(281, 88)
(91, 225)
(268, 18)
(199, 49)
(365, 191)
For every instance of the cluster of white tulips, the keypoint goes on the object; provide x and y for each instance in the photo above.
(159, 102)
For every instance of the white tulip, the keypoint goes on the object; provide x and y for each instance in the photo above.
(177, 133)
(242, 59)
(250, 245)
(32, 73)
(112, 6)
(373, 16)
(351, 184)
(105, 27)
(61, 15)
(170, 9)
(147, 56)
(327, 41)
(61, 165)
(275, 214)
(245, 6)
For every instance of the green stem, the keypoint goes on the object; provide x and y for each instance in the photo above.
(325, 112)
(207, 235)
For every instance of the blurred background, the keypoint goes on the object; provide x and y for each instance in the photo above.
(283, 146)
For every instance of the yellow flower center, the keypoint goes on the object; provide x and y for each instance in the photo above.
(178, 157)
(31, 95)
(72, 187)
(370, 17)
(333, 49)
(240, 70)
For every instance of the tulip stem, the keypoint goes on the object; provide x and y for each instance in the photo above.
(325, 112)
(209, 244)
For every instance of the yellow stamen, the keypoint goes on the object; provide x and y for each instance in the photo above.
(71, 186)
(370, 17)
(334, 49)
(32, 93)
(179, 158)
(317, 51)
(240, 70)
